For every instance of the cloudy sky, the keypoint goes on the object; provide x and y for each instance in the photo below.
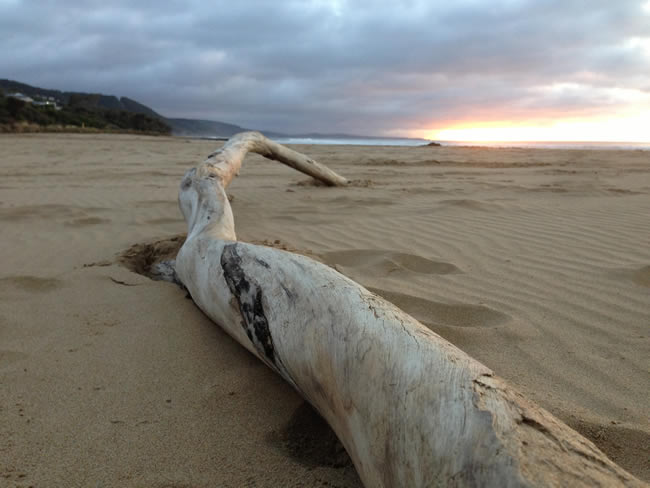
(534, 69)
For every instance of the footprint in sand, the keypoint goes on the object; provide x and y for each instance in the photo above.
(35, 212)
(29, 283)
(439, 316)
(86, 221)
(373, 263)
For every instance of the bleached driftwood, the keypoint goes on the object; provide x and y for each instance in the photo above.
(411, 409)
(227, 160)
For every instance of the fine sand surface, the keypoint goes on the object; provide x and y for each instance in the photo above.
(535, 262)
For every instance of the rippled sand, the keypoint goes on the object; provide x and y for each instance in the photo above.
(536, 262)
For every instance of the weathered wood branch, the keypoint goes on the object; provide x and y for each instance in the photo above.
(411, 409)
(226, 161)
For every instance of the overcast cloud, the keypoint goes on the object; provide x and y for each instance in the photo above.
(331, 66)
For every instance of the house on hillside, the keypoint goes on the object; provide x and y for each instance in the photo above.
(46, 103)
(20, 96)
(43, 102)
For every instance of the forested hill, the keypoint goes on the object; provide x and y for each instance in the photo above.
(99, 103)
(56, 110)
(87, 100)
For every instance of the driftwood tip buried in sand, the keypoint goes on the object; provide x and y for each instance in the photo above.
(411, 409)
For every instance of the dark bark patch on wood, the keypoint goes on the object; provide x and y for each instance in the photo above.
(291, 296)
(250, 300)
(261, 262)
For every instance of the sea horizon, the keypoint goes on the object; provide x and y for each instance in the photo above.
(411, 142)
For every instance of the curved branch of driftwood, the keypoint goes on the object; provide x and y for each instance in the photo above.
(226, 161)
(411, 409)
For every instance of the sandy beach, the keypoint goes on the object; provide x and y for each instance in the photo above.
(536, 262)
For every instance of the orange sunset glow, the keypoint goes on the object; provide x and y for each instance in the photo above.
(619, 129)
(616, 114)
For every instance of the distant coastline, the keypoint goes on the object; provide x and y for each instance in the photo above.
(408, 142)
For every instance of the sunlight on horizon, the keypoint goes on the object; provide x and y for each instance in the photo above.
(620, 129)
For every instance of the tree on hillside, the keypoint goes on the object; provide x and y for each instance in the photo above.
(14, 106)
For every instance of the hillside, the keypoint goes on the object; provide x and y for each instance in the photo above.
(99, 102)
(86, 100)
(83, 114)
(10, 86)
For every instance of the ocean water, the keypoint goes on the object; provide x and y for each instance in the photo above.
(420, 142)
(353, 141)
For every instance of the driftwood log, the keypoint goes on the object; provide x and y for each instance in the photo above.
(411, 409)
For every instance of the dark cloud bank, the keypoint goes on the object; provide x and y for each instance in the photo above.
(332, 66)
